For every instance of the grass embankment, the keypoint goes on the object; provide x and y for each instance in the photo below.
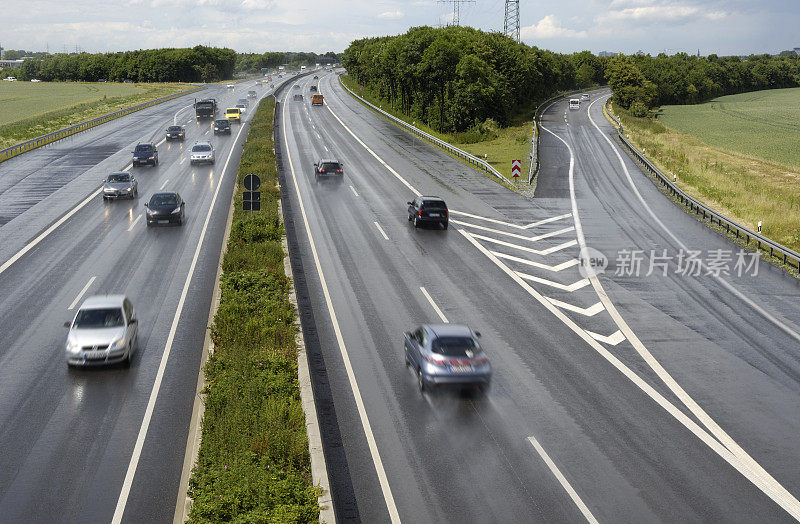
(28, 110)
(254, 464)
(739, 156)
(500, 145)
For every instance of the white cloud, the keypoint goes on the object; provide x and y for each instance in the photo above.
(549, 27)
(391, 15)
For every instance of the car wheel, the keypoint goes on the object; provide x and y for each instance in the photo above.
(127, 362)
(416, 222)
(444, 225)
(136, 193)
(420, 381)
(316, 179)
(483, 389)
(149, 224)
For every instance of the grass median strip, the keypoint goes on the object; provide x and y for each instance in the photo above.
(254, 464)
(30, 110)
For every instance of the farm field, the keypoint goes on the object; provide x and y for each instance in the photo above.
(29, 109)
(738, 154)
(762, 124)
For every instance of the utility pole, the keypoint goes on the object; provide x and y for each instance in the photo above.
(456, 9)
(511, 23)
(1, 52)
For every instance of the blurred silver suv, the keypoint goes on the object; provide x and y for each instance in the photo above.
(104, 331)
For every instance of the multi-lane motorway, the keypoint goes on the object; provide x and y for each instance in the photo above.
(653, 391)
(68, 438)
(616, 397)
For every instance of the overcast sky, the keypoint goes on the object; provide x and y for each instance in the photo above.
(712, 26)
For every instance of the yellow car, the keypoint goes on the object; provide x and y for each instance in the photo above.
(234, 114)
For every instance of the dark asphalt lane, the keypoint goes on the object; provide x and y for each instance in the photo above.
(451, 458)
(67, 435)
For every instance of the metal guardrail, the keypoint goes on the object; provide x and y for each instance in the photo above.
(449, 148)
(789, 257)
(39, 141)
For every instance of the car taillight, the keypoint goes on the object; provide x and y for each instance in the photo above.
(321, 170)
(338, 170)
(479, 361)
(446, 213)
(419, 213)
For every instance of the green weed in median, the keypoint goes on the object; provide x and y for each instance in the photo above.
(254, 464)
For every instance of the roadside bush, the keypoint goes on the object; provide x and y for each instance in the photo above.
(639, 109)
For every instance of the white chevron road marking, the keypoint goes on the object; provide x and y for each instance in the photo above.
(613, 339)
(569, 288)
(514, 235)
(585, 311)
(509, 224)
(558, 267)
(547, 251)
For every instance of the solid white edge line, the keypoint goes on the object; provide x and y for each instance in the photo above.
(563, 481)
(362, 412)
(435, 307)
(134, 222)
(80, 295)
(354, 190)
(381, 230)
(148, 414)
(30, 245)
(755, 477)
(751, 469)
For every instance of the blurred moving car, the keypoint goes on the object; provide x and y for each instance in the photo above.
(233, 114)
(328, 169)
(202, 153)
(428, 210)
(104, 331)
(316, 99)
(230, 86)
(145, 154)
(165, 208)
(120, 185)
(176, 133)
(242, 104)
(313, 88)
(585, 97)
(222, 126)
(252, 94)
(298, 97)
(447, 354)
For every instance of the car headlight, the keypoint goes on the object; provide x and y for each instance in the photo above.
(117, 344)
(151, 211)
(125, 189)
(152, 157)
(176, 211)
(72, 346)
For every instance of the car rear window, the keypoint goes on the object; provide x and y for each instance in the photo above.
(98, 318)
(434, 204)
(330, 166)
(455, 346)
(201, 147)
(119, 177)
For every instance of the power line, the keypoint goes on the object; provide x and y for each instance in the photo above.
(511, 23)
(456, 8)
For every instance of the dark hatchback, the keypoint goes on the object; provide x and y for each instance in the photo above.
(222, 127)
(428, 210)
(145, 154)
(165, 208)
(176, 133)
(327, 169)
(447, 354)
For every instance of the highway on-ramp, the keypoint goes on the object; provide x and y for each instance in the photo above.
(68, 437)
(615, 397)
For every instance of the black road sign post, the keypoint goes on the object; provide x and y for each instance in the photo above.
(252, 198)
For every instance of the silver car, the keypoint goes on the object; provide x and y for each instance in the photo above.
(104, 331)
(202, 153)
(447, 354)
(120, 185)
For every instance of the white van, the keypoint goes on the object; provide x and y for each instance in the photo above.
(574, 103)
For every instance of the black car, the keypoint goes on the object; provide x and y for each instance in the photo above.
(222, 126)
(165, 208)
(327, 169)
(314, 88)
(298, 97)
(145, 154)
(428, 210)
(176, 133)
(315, 77)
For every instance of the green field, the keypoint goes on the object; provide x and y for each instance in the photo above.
(762, 124)
(28, 110)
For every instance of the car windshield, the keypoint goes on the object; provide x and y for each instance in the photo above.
(201, 147)
(236, 110)
(455, 346)
(98, 318)
(174, 129)
(119, 177)
(164, 200)
(144, 148)
(221, 122)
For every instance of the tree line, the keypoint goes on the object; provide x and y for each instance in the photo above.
(458, 78)
(196, 64)
(640, 82)
(254, 62)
